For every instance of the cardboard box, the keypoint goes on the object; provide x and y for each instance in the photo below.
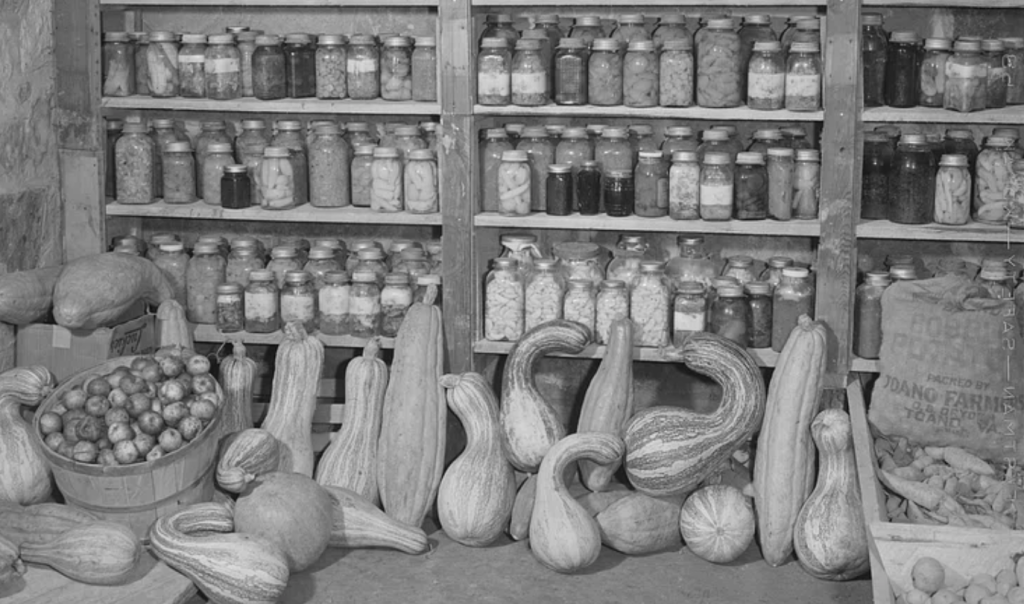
(66, 352)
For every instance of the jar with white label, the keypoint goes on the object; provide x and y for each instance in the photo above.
(261, 303)
(333, 304)
(364, 311)
(689, 311)
(192, 66)
(649, 306)
(529, 75)
(766, 77)
(803, 77)
(494, 72)
(363, 68)
(612, 304)
(223, 68)
(298, 300)
(580, 304)
(395, 300)
(504, 307)
(716, 187)
(545, 291)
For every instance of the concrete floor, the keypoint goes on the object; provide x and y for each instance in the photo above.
(506, 573)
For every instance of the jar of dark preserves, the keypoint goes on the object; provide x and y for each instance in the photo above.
(874, 189)
(759, 317)
(235, 188)
(618, 192)
(902, 69)
(960, 141)
(912, 184)
(588, 188)
(559, 190)
(874, 53)
(300, 66)
(268, 69)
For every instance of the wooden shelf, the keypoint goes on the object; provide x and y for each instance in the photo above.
(209, 333)
(946, 3)
(793, 228)
(305, 213)
(252, 105)
(670, 3)
(935, 115)
(651, 113)
(974, 231)
(765, 357)
(270, 3)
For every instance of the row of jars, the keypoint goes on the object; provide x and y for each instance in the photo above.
(244, 63)
(330, 170)
(621, 172)
(968, 74)
(718, 67)
(945, 180)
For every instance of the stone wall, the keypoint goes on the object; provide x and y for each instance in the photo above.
(30, 208)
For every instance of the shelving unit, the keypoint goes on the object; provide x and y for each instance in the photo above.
(283, 106)
(305, 213)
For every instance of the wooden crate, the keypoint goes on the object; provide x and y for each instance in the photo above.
(895, 547)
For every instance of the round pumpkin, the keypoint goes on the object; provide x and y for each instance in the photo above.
(717, 523)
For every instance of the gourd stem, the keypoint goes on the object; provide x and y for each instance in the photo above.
(372, 348)
(449, 381)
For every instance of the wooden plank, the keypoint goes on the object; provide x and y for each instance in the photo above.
(945, 3)
(324, 414)
(331, 389)
(267, 3)
(792, 228)
(76, 25)
(680, 113)
(253, 105)
(974, 231)
(1013, 114)
(304, 213)
(209, 333)
(840, 184)
(653, 3)
(81, 186)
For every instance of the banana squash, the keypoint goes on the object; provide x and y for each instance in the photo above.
(784, 465)
(608, 404)
(563, 536)
(99, 553)
(350, 461)
(410, 451)
(247, 455)
(27, 296)
(297, 369)
(237, 376)
(831, 539)
(358, 523)
(24, 474)
(529, 424)
(474, 502)
(95, 291)
(41, 522)
(671, 450)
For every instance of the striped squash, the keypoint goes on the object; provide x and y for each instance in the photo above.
(671, 450)
(359, 523)
(717, 523)
(245, 456)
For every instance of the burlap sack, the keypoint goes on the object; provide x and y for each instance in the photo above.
(952, 368)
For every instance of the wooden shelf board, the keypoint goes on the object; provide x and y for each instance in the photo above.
(209, 333)
(269, 3)
(974, 231)
(305, 213)
(641, 3)
(945, 3)
(252, 105)
(688, 113)
(793, 228)
(765, 357)
(935, 115)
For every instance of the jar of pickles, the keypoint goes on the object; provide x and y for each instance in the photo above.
(395, 300)
(580, 260)
(545, 290)
(223, 68)
(570, 72)
(792, 298)
(781, 171)
(992, 52)
(495, 143)
(275, 180)
(298, 301)
(261, 303)
(179, 173)
(649, 306)
(612, 304)
(386, 185)
(396, 69)
(803, 77)
(751, 187)
(213, 131)
(933, 71)
(716, 187)
(206, 270)
(966, 78)
(333, 304)
(218, 156)
(191, 66)
(992, 179)
(420, 183)
(504, 304)
(364, 307)
(806, 184)
(494, 72)
(640, 81)
(529, 75)
(605, 73)
(331, 59)
(118, 65)
(902, 70)
(162, 64)
(874, 52)
(363, 68)
(134, 166)
(766, 77)
(719, 72)
(953, 191)
(541, 152)
(514, 184)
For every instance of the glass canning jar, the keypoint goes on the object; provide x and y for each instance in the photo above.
(793, 297)
(249, 145)
(283, 259)
(755, 28)
(298, 301)
(549, 24)
(690, 311)
(878, 165)
(545, 290)
(729, 315)
(547, 56)
(363, 68)
(573, 148)
(395, 300)
(333, 304)
(630, 28)
(206, 270)
(772, 273)
(521, 247)
(740, 268)
(628, 254)
(759, 314)
(766, 76)
(162, 64)
(559, 187)
(571, 72)
(715, 141)
(261, 302)
(372, 259)
(414, 262)
(933, 71)
(396, 69)
(612, 304)
(495, 143)
(153, 250)
(191, 66)
(362, 175)
(651, 182)
(331, 58)
(613, 151)
(1014, 70)
(587, 28)
(751, 187)
(992, 178)
(504, 301)
(805, 30)
(781, 175)
(953, 191)
(675, 73)
(874, 54)
(640, 81)
(796, 138)
(604, 73)
(289, 135)
(960, 141)
(429, 134)
(806, 184)
(902, 69)
(716, 187)
(358, 133)
(671, 27)
(141, 40)
(268, 69)
(179, 173)
(580, 304)
(222, 65)
(424, 69)
(172, 261)
(803, 77)
(650, 306)
(500, 25)
(386, 185)
(330, 159)
(213, 131)
(618, 191)
(420, 184)
(275, 179)
(300, 66)
(678, 138)
(241, 263)
(719, 72)
(641, 138)
(364, 309)
(218, 156)
(540, 150)
(134, 166)
(993, 53)
(118, 64)
(529, 75)
(514, 184)
(494, 72)
(580, 260)
(322, 260)
(246, 48)
(1015, 197)
(229, 309)
(588, 189)
(684, 186)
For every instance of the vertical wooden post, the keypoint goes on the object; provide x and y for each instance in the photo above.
(840, 186)
(457, 148)
(80, 132)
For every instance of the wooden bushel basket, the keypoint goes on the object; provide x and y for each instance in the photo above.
(137, 494)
